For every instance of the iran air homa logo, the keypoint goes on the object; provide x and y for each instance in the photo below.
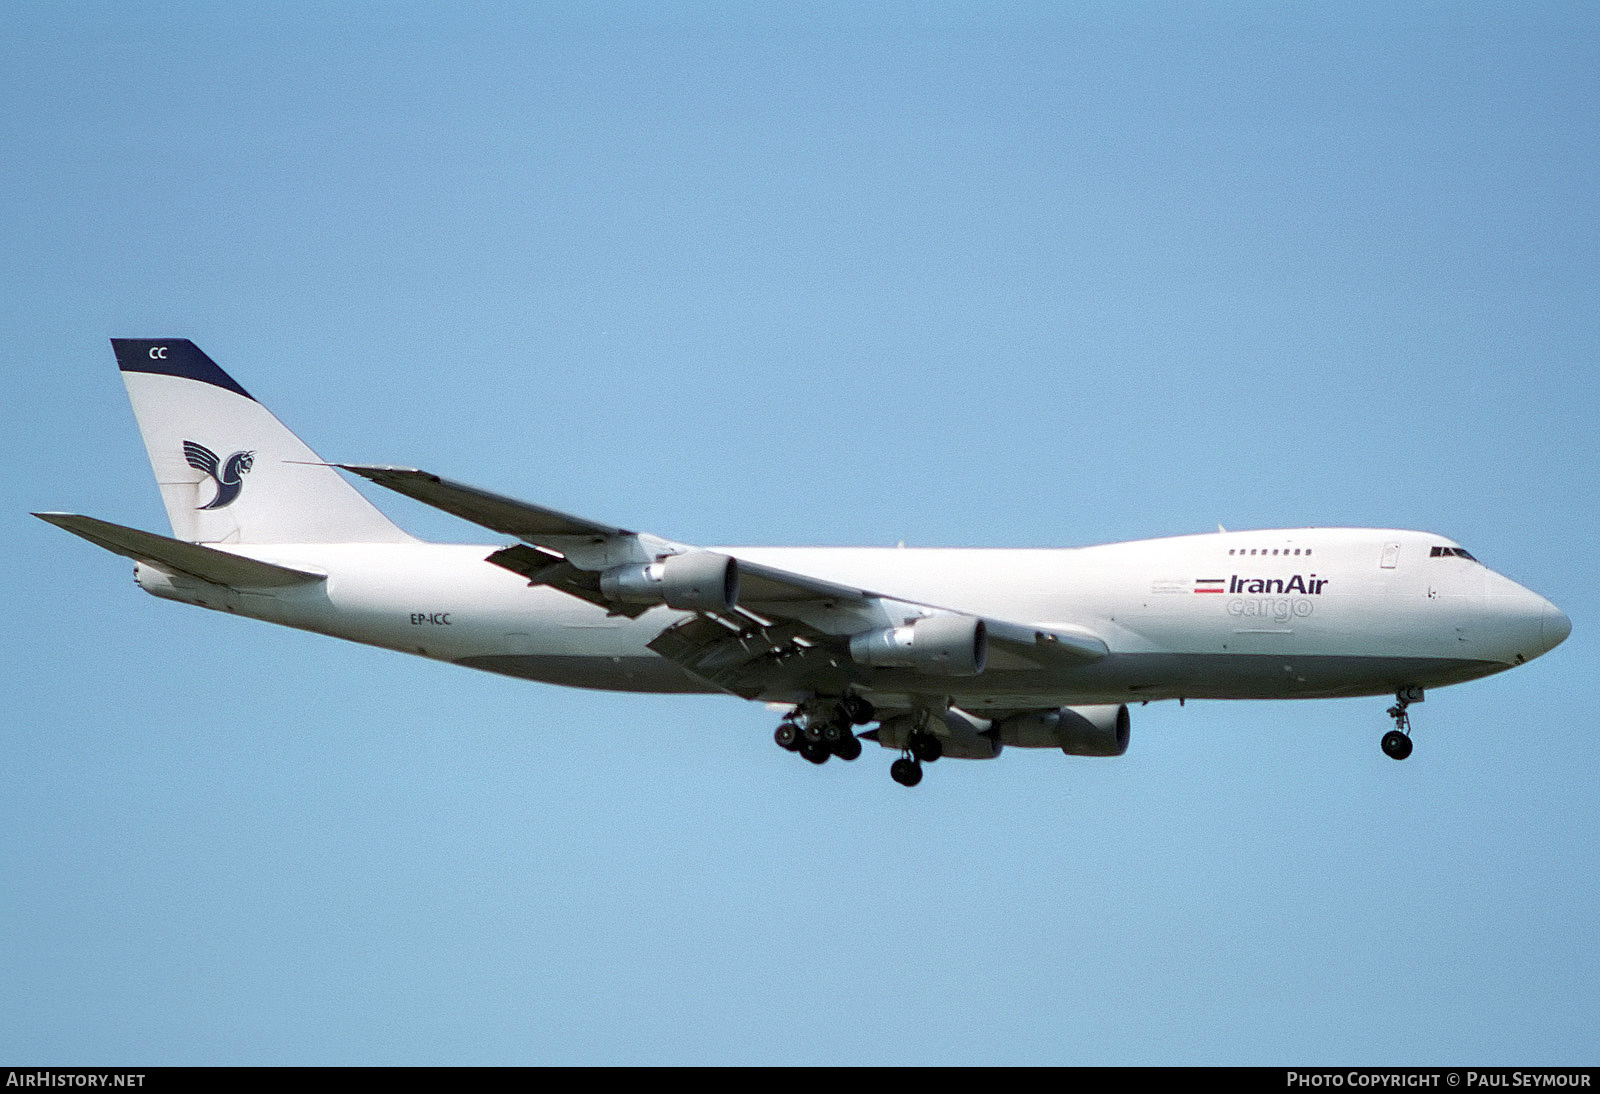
(229, 479)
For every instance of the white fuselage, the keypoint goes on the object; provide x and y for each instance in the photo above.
(1297, 613)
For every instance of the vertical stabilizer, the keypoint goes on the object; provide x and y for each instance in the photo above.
(229, 471)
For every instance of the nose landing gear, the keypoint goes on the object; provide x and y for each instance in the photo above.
(1396, 745)
(1397, 742)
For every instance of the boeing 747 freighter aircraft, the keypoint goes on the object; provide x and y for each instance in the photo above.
(955, 653)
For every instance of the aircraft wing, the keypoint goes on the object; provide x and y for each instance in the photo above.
(752, 623)
(533, 523)
(556, 536)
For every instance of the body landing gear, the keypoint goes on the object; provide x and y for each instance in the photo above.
(822, 730)
(1397, 742)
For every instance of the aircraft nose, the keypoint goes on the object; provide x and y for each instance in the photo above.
(1521, 624)
(1555, 626)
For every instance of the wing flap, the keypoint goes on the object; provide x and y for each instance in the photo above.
(194, 559)
(743, 659)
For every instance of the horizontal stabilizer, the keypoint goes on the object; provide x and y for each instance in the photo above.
(193, 559)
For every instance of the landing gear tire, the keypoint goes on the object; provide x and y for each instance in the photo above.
(849, 748)
(925, 747)
(815, 751)
(1396, 745)
(857, 710)
(906, 772)
(788, 736)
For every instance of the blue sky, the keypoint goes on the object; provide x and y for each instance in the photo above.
(1053, 276)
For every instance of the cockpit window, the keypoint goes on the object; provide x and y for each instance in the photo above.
(1451, 552)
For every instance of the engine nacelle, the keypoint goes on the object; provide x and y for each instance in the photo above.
(700, 581)
(1077, 731)
(961, 736)
(939, 645)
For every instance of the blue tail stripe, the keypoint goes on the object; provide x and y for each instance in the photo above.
(172, 357)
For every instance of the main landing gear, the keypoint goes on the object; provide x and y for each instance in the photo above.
(1397, 742)
(921, 748)
(906, 771)
(820, 730)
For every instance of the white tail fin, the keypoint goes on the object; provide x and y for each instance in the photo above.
(229, 471)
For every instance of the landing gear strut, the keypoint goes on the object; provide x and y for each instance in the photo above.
(1397, 742)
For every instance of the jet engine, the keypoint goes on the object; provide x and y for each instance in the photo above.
(1077, 731)
(699, 581)
(939, 645)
